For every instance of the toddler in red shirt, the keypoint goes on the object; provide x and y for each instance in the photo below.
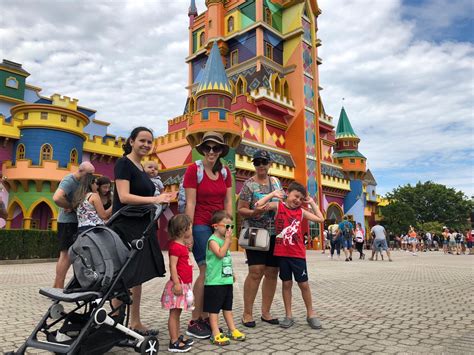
(178, 292)
(289, 245)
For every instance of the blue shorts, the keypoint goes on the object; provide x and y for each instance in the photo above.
(380, 244)
(347, 243)
(201, 234)
(290, 267)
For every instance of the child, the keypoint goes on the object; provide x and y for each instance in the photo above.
(178, 294)
(289, 246)
(151, 168)
(88, 205)
(218, 284)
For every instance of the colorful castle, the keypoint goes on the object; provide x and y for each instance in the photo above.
(253, 76)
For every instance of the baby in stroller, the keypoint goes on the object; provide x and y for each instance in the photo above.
(104, 264)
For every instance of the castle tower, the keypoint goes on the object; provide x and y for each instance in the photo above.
(354, 166)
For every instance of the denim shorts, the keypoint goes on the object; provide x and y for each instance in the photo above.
(201, 234)
(380, 244)
(347, 243)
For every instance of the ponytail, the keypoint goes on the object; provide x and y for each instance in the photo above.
(127, 147)
(217, 166)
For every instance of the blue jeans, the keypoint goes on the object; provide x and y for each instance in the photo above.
(336, 245)
(201, 234)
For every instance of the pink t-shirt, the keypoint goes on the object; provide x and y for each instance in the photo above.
(210, 194)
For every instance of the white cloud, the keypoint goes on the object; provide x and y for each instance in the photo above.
(409, 100)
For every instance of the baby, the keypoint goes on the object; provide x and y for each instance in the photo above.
(151, 168)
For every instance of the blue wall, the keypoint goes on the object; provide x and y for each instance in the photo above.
(198, 64)
(62, 143)
(246, 44)
(277, 44)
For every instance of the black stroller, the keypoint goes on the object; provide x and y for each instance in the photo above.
(94, 326)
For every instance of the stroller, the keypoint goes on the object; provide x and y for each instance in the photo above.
(93, 327)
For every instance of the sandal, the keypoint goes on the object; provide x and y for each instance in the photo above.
(287, 322)
(236, 335)
(250, 324)
(273, 321)
(220, 340)
(314, 323)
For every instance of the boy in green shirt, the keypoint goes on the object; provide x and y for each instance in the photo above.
(218, 285)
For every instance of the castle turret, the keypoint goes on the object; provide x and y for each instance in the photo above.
(192, 12)
(346, 151)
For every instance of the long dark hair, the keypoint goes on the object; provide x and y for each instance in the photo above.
(217, 166)
(127, 148)
(84, 188)
(104, 180)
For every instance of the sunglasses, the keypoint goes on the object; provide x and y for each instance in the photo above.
(207, 148)
(227, 226)
(258, 162)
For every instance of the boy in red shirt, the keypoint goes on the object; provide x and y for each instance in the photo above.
(290, 248)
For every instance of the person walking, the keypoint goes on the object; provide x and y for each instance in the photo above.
(261, 264)
(134, 187)
(346, 231)
(413, 240)
(359, 240)
(380, 241)
(334, 239)
(212, 193)
(67, 218)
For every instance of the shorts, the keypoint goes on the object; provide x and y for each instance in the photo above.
(347, 243)
(201, 234)
(380, 244)
(452, 243)
(413, 240)
(469, 244)
(170, 301)
(256, 257)
(293, 267)
(217, 297)
(67, 233)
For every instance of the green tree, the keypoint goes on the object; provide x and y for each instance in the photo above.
(432, 227)
(433, 202)
(398, 216)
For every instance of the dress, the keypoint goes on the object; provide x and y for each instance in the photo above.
(149, 262)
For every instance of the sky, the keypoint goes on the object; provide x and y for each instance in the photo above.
(402, 69)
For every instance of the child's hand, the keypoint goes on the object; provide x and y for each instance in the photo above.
(279, 194)
(228, 234)
(309, 200)
(177, 290)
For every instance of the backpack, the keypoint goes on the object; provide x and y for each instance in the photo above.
(200, 176)
(346, 232)
(96, 256)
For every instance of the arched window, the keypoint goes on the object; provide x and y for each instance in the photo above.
(73, 159)
(20, 152)
(11, 82)
(201, 39)
(230, 24)
(192, 105)
(286, 90)
(46, 152)
(277, 86)
(239, 87)
(268, 16)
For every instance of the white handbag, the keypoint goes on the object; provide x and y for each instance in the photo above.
(253, 238)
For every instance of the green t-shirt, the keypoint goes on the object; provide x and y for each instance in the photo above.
(218, 271)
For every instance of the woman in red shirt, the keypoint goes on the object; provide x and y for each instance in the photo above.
(208, 188)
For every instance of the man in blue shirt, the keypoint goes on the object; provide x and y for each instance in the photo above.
(346, 233)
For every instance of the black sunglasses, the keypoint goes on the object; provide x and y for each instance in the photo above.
(207, 148)
(229, 226)
(258, 162)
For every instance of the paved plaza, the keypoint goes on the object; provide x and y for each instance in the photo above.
(420, 304)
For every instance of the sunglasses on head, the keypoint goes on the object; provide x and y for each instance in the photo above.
(207, 148)
(258, 162)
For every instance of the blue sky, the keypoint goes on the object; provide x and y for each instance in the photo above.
(405, 69)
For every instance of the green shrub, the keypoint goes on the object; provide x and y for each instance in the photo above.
(28, 244)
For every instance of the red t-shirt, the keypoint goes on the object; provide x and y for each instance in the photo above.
(210, 194)
(289, 239)
(184, 266)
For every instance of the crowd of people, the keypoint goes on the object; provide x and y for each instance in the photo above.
(205, 228)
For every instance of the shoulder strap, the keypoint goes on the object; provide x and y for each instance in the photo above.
(224, 172)
(199, 171)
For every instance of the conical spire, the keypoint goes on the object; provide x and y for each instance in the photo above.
(344, 128)
(214, 77)
(192, 9)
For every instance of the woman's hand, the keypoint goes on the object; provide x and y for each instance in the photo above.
(164, 198)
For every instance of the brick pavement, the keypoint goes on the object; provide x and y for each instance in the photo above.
(414, 305)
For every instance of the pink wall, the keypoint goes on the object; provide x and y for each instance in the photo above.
(5, 152)
(104, 168)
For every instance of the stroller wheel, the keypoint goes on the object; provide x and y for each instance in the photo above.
(149, 346)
